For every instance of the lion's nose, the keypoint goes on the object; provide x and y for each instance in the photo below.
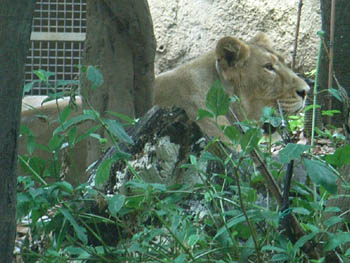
(301, 93)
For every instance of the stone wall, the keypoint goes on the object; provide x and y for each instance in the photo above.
(187, 28)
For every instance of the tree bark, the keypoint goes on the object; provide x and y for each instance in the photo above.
(341, 48)
(15, 28)
(120, 42)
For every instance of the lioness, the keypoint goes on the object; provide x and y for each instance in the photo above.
(251, 70)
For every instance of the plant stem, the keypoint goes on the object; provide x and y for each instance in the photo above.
(174, 236)
(321, 35)
(251, 228)
(35, 174)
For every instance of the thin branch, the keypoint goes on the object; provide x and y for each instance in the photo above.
(296, 34)
(251, 228)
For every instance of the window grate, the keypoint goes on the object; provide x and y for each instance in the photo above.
(58, 34)
(65, 16)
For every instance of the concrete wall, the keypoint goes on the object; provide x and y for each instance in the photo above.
(186, 28)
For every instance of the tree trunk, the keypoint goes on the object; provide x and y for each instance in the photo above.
(15, 28)
(341, 59)
(120, 42)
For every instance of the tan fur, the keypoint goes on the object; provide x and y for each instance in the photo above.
(41, 119)
(251, 70)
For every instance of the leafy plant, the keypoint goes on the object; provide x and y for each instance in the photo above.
(228, 216)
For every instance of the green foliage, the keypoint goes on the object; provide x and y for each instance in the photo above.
(95, 76)
(340, 157)
(330, 112)
(292, 152)
(336, 94)
(296, 122)
(321, 174)
(225, 217)
(217, 102)
(270, 116)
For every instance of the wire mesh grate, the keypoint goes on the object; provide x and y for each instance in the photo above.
(58, 34)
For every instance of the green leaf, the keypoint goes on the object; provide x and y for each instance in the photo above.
(87, 133)
(117, 130)
(120, 155)
(280, 258)
(78, 252)
(272, 248)
(301, 211)
(336, 94)
(95, 76)
(340, 157)
(115, 204)
(123, 117)
(159, 187)
(304, 239)
(73, 121)
(64, 114)
(193, 239)
(250, 139)
(79, 230)
(330, 112)
(270, 116)
(332, 209)
(207, 156)
(180, 258)
(321, 174)
(336, 240)
(102, 174)
(55, 142)
(217, 101)
(292, 152)
(63, 83)
(232, 133)
(193, 159)
(28, 87)
(36, 164)
(64, 186)
(72, 136)
(230, 223)
(310, 107)
(98, 137)
(333, 220)
(31, 145)
(43, 74)
(202, 114)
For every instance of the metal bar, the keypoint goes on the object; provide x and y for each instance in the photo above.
(47, 36)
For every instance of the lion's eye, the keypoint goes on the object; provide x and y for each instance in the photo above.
(269, 66)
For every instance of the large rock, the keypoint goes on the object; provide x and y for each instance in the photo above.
(187, 28)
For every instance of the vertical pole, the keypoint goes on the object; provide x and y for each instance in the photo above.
(331, 54)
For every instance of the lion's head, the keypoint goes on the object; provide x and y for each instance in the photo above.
(258, 75)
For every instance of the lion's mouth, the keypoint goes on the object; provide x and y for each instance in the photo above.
(290, 108)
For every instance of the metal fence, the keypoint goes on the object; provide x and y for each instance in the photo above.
(57, 39)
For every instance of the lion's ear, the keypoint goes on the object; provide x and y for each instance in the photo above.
(261, 39)
(230, 53)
